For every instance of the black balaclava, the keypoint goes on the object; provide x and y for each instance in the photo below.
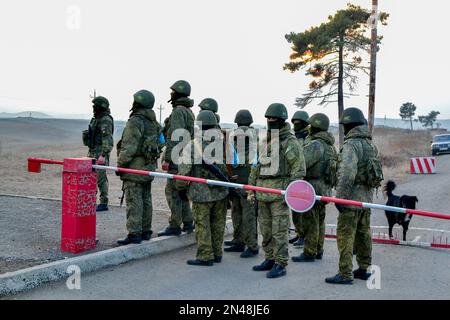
(98, 110)
(272, 125)
(350, 126)
(299, 126)
(174, 96)
(313, 130)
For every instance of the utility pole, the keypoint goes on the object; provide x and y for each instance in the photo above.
(373, 63)
(160, 113)
(95, 94)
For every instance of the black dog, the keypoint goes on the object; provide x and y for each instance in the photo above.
(404, 201)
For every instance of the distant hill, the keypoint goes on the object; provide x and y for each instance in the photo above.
(399, 123)
(31, 130)
(27, 114)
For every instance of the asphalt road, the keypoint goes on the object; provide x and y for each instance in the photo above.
(406, 272)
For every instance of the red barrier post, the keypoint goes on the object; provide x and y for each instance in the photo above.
(79, 187)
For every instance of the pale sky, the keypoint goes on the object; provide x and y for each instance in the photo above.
(231, 50)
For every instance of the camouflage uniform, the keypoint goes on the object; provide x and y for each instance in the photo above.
(209, 206)
(180, 118)
(317, 155)
(139, 149)
(354, 223)
(297, 218)
(273, 212)
(243, 212)
(100, 142)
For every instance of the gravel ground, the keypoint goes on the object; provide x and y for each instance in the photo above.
(32, 231)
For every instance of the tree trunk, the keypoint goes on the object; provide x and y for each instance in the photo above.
(373, 66)
(341, 89)
(410, 120)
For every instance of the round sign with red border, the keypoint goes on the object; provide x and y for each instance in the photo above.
(300, 196)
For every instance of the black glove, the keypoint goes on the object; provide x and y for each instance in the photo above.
(183, 195)
(339, 207)
(118, 173)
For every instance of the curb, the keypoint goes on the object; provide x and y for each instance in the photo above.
(30, 278)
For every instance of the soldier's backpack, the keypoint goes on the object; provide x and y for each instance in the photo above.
(151, 146)
(330, 165)
(374, 168)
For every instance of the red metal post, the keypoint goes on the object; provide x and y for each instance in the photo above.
(79, 187)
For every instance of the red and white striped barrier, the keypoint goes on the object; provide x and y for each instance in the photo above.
(423, 165)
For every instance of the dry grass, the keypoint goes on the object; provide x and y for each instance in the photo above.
(397, 146)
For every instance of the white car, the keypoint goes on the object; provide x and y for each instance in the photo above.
(440, 144)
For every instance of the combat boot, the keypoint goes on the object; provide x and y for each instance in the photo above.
(102, 207)
(304, 258)
(276, 272)
(146, 235)
(217, 259)
(266, 265)
(198, 262)
(235, 248)
(131, 238)
(170, 232)
(361, 274)
(300, 242)
(188, 227)
(294, 239)
(338, 279)
(229, 243)
(319, 256)
(248, 253)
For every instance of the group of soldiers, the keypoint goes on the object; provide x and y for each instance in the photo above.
(306, 152)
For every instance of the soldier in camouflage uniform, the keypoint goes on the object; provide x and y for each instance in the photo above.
(209, 203)
(358, 174)
(139, 149)
(282, 166)
(211, 105)
(243, 213)
(300, 123)
(99, 139)
(320, 160)
(180, 118)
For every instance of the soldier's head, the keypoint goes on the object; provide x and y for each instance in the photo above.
(143, 99)
(319, 122)
(351, 118)
(300, 120)
(276, 116)
(180, 89)
(209, 104)
(207, 120)
(243, 118)
(100, 104)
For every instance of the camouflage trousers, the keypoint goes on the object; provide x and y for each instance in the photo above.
(297, 221)
(243, 215)
(274, 226)
(353, 231)
(180, 209)
(138, 197)
(313, 223)
(102, 179)
(209, 218)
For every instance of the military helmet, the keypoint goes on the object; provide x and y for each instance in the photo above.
(207, 117)
(352, 116)
(209, 104)
(319, 121)
(145, 98)
(101, 102)
(243, 117)
(182, 87)
(277, 110)
(300, 115)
